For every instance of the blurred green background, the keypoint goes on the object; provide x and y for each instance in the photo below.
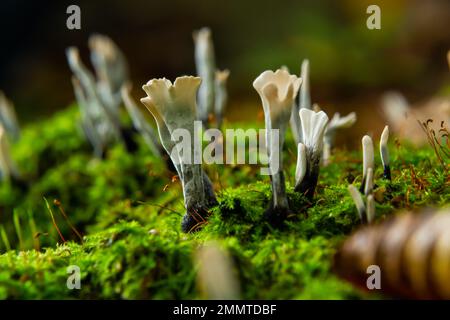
(350, 65)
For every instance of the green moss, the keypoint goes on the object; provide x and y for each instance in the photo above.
(116, 201)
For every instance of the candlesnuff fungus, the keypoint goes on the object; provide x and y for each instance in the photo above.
(336, 123)
(98, 124)
(368, 159)
(8, 118)
(174, 108)
(366, 212)
(139, 122)
(304, 101)
(221, 95)
(277, 91)
(384, 152)
(206, 68)
(8, 168)
(368, 188)
(310, 151)
(111, 69)
(104, 119)
(305, 95)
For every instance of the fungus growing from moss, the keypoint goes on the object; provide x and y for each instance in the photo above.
(174, 108)
(310, 151)
(98, 111)
(111, 69)
(304, 101)
(277, 91)
(221, 95)
(384, 153)
(8, 168)
(336, 123)
(366, 212)
(368, 159)
(8, 117)
(206, 68)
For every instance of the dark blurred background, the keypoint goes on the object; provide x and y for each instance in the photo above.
(350, 65)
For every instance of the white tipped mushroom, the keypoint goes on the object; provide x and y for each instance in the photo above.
(95, 115)
(8, 117)
(109, 61)
(370, 208)
(313, 128)
(174, 108)
(305, 95)
(221, 95)
(8, 168)
(303, 101)
(206, 68)
(359, 203)
(216, 275)
(277, 91)
(384, 152)
(368, 158)
(336, 123)
(368, 188)
(396, 109)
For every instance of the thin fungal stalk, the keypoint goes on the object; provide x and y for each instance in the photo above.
(336, 123)
(99, 124)
(8, 117)
(359, 203)
(8, 168)
(310, 151)
(221, 95)
(111, 69)
(206, 67)
(277, 91)
(384, 152)
(368, 188)
(303, 101)
(174, 108)
(368, 159)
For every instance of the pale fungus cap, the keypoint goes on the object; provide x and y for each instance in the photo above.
(383, 146)
(338, 122)
(313, 128)
(277, 91)
(305, 96)
(175, 103)
(368, 157)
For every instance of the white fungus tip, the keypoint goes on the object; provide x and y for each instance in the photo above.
(370, 208)
(368, 157)
(357, 199)
(384, 151)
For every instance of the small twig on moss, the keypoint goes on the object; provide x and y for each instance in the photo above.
(54, 221)
(66, 218)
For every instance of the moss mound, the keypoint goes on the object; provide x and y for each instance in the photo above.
(128, 208)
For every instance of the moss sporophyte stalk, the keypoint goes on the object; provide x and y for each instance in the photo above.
(265, 210)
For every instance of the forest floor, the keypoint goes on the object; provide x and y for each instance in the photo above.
(127, 209)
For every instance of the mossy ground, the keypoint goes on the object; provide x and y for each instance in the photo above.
(116, 201)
